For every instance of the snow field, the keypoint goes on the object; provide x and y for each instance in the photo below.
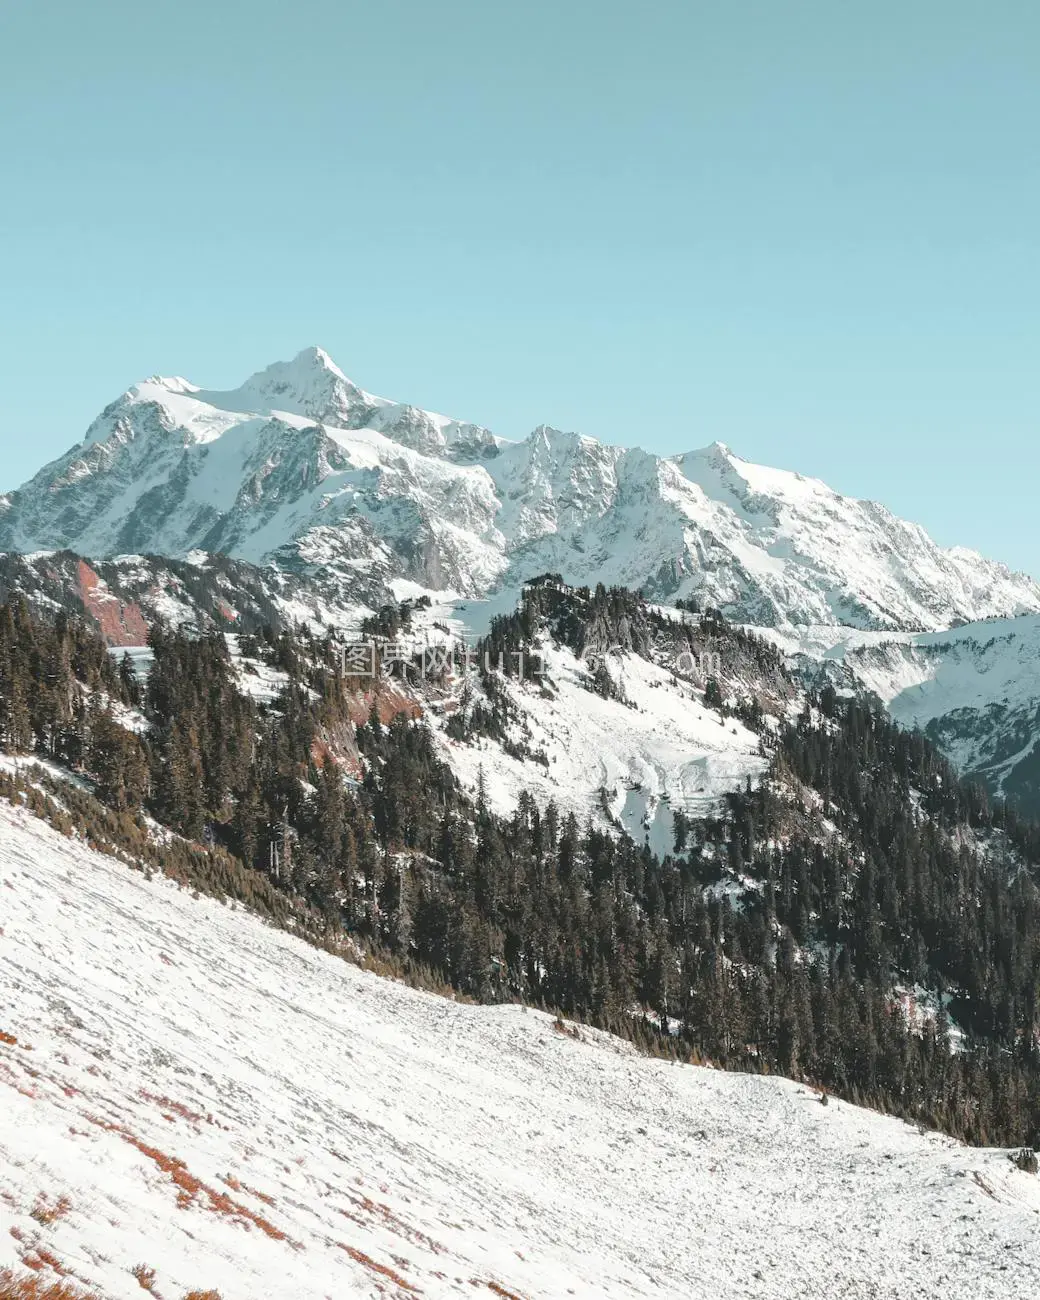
(340, 1135)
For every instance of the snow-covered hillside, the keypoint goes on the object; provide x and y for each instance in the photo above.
(633, 763)
(628, 758)
(188, 1091)
(301, 468)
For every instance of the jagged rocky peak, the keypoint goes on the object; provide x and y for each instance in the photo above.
(310, 385)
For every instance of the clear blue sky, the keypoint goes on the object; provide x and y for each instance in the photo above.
(808, 229)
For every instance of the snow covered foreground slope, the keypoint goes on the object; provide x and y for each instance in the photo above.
(220, 1103)
(302, 469)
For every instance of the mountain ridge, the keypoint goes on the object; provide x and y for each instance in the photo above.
(301, 469)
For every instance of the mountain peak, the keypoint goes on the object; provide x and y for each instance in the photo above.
(395, 491)
(311, 368)
(171, 383)
(311, 385)
(316, 358)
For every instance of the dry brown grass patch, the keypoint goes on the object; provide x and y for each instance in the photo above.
(383, 1270)
(34, 1288)
(189, 1187)
(176, 1107)
(39, 1258)
(46, 1213)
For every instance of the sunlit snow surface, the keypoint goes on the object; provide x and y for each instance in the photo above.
(301, 468)
(405, 1144)
(640, 761)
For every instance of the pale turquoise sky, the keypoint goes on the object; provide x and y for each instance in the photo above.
(808, 229)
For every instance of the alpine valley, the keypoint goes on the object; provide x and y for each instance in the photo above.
(433, 864)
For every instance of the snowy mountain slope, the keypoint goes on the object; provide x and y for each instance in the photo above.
(633, 763)
(628, 756)
(628, 761)
(302, 469)
(188, 1090)
(201, 593)
(975, 691)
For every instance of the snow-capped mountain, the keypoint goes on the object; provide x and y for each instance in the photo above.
(975, 691)
(301, 469)
(243, 1117)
